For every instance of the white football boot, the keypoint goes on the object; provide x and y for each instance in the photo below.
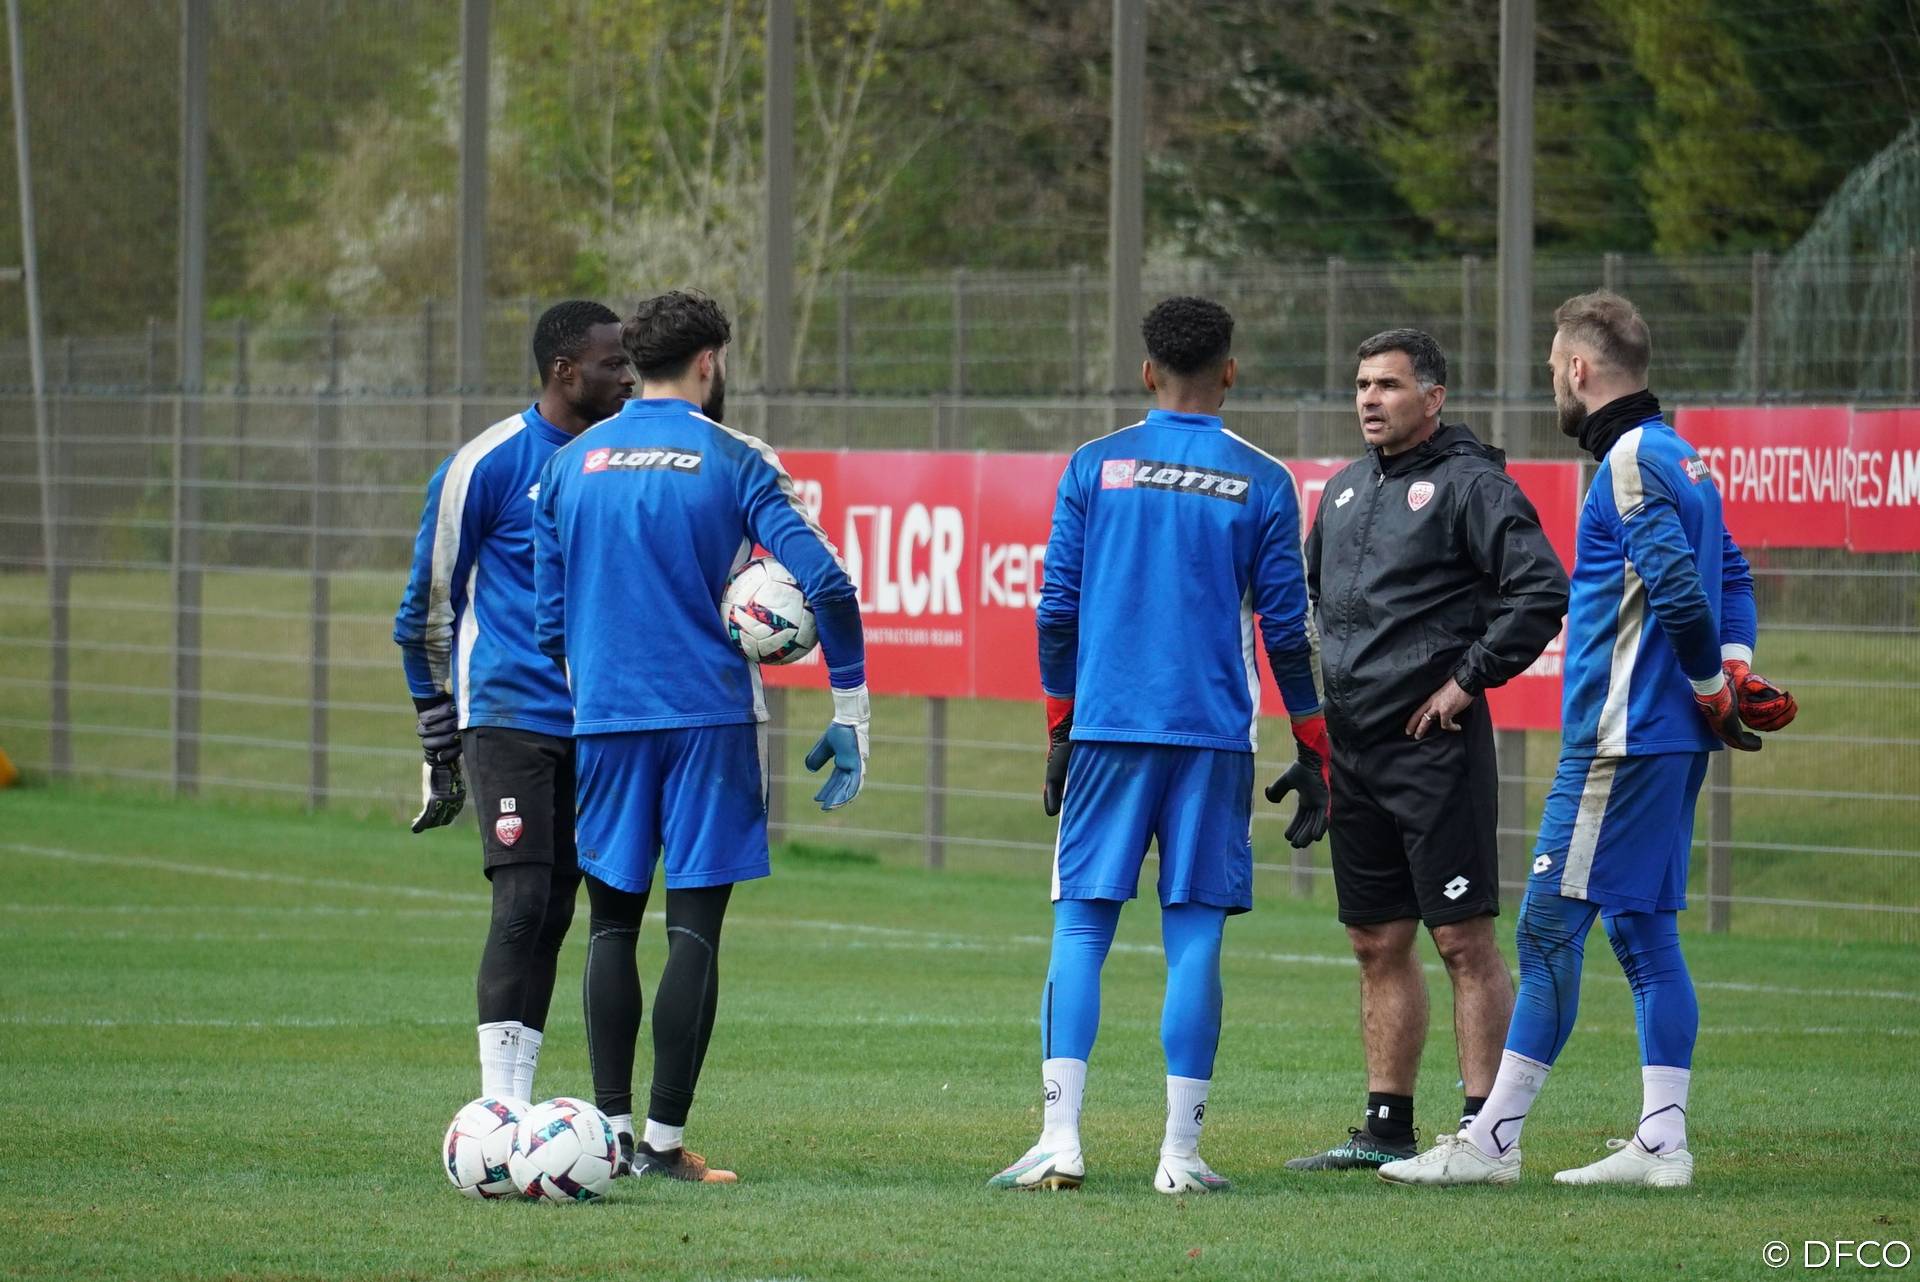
(1628, 1163)
(1190, 1174)
(1043, 1167)
(1454, 1159)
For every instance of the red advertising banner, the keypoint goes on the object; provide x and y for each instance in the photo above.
(1883, 505)
(947, 550)
(1783, 471)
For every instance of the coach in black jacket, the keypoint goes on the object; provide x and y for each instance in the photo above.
(1432, 583)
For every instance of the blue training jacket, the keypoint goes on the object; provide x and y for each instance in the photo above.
(641, 521)
(1169, 537)
(466, 621)
(1659, 588)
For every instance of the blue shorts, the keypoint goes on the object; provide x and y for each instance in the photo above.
(1617, 831)
(700, 791)
(1196, 804)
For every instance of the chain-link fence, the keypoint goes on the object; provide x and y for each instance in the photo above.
(217, 614)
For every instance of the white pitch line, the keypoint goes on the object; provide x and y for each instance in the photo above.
(954, 941)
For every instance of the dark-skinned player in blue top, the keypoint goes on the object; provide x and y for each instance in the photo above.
(1171, 538)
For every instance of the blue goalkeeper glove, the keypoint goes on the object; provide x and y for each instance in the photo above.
(845, 744)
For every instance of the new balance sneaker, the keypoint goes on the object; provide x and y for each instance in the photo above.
(1628, 1163)
(1179, 1175)
(679, 1164)
(1042, 1167)
(1363, 1151)
(1454, 1159)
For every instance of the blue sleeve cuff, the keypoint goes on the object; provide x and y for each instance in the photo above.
(1059, 659)
(837, 619)
(1293, 673)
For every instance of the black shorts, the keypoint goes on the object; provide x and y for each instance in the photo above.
(521, 787)
(1413, 826)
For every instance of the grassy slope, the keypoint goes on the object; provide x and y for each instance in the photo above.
(247, 1074)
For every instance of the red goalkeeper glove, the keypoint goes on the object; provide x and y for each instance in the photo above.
(1059, 749)
(1723, 718)
(1763, 705)
(1312, 777)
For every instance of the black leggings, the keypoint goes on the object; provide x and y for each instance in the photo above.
(683, 1005)
(532, 908)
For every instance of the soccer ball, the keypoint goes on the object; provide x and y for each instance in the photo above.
(766, 614)
(480, 1142)
(564, 1151)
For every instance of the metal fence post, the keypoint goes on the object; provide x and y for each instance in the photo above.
(326, 470)
(935, 815)
(1757, 326)
(1463, 359)
(958, 379)
(1336, 374)
(195, 24)
(1913, 324)
(1077, 324)
(1720, 842)
(843, 366)
(241, 390)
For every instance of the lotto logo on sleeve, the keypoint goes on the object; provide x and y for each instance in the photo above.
(1173, 478)
(596, 461)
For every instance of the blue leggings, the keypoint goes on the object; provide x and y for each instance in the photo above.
(1552, 938)
(1190, 1019)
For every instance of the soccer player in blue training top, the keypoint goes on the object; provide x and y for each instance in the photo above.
(1660, 633)
(639, 526)
(467, 621)
(1178, 522)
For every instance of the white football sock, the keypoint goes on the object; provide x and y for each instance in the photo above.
(622, 1124)
(1186, 1109)
(1064, 1082)
(662, 1138)
(1497, 1129)
(499, 1058)
(523, 1070)
(1663, 1108)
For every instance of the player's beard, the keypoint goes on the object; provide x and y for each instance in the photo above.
(1572, 414)
(716, 401)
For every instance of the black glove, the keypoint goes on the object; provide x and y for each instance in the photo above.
(443, 790)
(439, 730)
(1059, 750)
(1311, 777)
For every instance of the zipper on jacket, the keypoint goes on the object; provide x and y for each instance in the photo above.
(1353, 588)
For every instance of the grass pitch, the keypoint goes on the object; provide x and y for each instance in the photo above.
(234, 1037)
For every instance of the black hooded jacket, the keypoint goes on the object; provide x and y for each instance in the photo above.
(1423, 566)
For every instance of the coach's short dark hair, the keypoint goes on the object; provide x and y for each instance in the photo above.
(1187, 335)
(1609, 325)
(667, 331)
(1422, 349)
(562, 331)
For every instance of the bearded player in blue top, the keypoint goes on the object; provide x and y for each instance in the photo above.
(487, 698)
(1151, 737)
(1660, 633)
(640, 524)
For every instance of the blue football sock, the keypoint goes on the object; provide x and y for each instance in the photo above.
(1551, 939)
(1070, 1005)
(1190, 1020)
(1664, 1006)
